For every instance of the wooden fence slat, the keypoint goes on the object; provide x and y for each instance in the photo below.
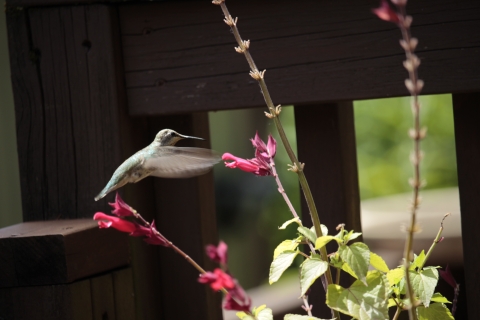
(466, 112)
(186, 216)
(326, 144)
(103, 301)
(123, 294)
(333, 51)
(68, 94)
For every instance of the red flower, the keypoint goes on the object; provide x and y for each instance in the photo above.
(260, 165)
(218, 254)
(107, 221)
(153, 237)
(448, 277)
(385, 12)
(217, 280)
(236, 299)
(120, 208)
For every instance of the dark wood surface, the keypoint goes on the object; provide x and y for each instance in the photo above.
(326, 144)
(466, 111)
(83, 300)
(66, 82)
(185, 214)
(314, 52)
(60, 251)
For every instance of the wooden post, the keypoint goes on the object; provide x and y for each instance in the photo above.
(326, 144)
(466, 111)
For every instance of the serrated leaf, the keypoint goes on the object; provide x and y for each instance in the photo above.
(395, 275)
(311, 269)
(287, 223)
(360, 301)
(378, 263)
(345, 267)
(309, 234)
(300, 317)
(322, 241)
(424, 283)
(437, 297)
(391, 303)
(280, 264)
(286, 245)
(418, 261)
(437, 311)
(357, 256)
(353, 235)
(264, 314)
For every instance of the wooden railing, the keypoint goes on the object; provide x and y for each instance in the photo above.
(93, 82)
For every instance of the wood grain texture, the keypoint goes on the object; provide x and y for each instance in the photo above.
(314, 51)
(67, 103)
(94, 298)
(466, 112)
(326, 144)
(61, 251)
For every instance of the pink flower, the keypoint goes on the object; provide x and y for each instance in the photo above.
(153, 237)
(385, 12)
(260, 165)
(217, 280)
(120, 208)
(237, 300)
(107, 221)
(218, 254)
(448, 277)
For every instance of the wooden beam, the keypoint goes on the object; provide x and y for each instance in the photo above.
(61, 251)
(326, 144)
(332, 51)
(466, 111)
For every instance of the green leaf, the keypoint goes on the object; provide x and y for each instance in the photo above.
(437, 297)
(395, 275)
(418, 261)
(300, 317)
(243, 316)
(311, 269)
(378, 263)
(287, 223)
(324, 229)
(286, 245)
(322, 241)
(437, 311)
(345, 267)
(360, 301)
(391, 303)
(352, 235)
(309, 234)
(280, 264)
(263, 314)
(357, 256)
(423, 283)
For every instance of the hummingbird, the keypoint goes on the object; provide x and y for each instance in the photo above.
(162, 159)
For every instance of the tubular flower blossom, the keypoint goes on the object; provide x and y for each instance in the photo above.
(236, 299)
(260, 165)
(218, 254)
(217, 280)
(107, 221)
(385, 12)
(120, 208)
(134, 229)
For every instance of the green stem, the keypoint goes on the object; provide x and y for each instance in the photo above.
(435, 241)
(271, 107)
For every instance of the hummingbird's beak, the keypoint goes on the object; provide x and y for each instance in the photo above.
(189, 137)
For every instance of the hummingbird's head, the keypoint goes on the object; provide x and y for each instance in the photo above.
(168, 137)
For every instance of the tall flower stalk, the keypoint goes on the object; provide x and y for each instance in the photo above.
(414, 85)
(274, 112)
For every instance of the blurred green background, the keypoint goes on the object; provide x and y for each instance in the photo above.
(249, 208)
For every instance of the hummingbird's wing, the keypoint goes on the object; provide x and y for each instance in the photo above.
(181, 162)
